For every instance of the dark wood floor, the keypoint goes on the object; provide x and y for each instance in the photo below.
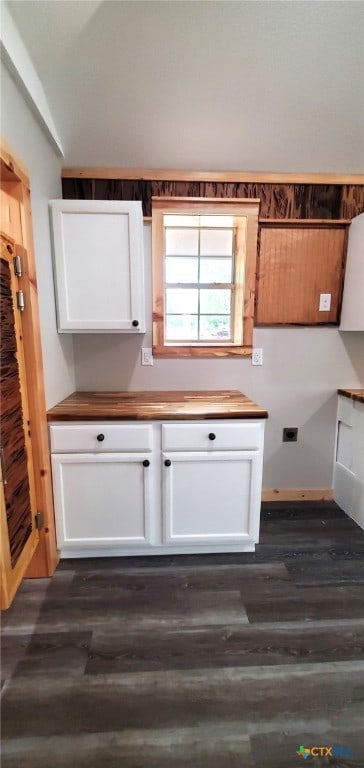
(215, 661)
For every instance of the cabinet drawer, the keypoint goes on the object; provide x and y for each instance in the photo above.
(212, 435)
(101, 437)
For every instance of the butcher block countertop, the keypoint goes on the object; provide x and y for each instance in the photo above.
(85, 406)
(353, 394)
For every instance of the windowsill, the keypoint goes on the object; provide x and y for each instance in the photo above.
(183, 350)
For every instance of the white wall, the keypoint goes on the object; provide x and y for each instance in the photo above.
(228, 85)
(27, 141)
(303, 368)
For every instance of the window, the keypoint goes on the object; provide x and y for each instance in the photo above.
(204, 264)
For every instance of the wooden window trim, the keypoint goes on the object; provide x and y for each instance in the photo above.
(246, 271)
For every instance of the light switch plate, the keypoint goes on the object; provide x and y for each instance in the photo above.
(325, 302)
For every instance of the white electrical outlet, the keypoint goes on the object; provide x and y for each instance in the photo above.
(257, 356)
(325, 302)
(147, 356)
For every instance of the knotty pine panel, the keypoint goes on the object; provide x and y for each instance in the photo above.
(296, 263)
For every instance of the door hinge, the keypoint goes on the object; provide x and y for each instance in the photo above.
(20, 300)
(38, 521)
(18, 266)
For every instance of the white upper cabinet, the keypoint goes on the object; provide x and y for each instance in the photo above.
(98, 260)
(352, 313)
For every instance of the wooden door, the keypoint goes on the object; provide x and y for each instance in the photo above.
(19, 537)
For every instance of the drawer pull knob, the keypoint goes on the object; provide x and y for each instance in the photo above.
(146, 463)
(212, 436)
(167, 463)
(135, 323)
(100, 438)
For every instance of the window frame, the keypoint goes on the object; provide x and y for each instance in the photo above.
(243, 293)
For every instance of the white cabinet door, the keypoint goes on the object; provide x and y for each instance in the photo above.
(349, 459)
(102, 500)
(352, 311)
(98, 260)
(211, 497)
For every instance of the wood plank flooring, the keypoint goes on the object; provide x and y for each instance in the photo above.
(220, 661)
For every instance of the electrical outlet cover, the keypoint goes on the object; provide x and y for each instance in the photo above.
(257, 356)
(325, 302)
(147, 356)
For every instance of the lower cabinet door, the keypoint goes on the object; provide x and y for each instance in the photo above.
(211, 497)
(102, 500)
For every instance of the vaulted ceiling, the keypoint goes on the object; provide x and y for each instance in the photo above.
(202, 85)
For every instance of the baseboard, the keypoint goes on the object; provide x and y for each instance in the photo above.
(297, 494)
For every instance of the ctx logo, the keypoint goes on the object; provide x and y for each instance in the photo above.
(324, 752)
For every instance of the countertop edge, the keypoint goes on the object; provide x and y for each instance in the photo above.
(352, 394)
(59, 416)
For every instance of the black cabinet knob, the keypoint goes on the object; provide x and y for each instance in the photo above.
(167, 463)
(146, 463)
(100, 438)
(135, 323)
(212, 436)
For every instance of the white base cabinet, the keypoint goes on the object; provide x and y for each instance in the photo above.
(349, 459)
(157, 488)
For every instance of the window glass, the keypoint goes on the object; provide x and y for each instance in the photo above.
(181, 301)
(181, 270)
(181, 328)
(181, 242)
(216, 242)
(216, 270)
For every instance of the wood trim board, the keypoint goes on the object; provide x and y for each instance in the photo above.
(161, 174)
(297, 494)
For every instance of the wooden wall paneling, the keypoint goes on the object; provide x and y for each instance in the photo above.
(78, 189)
(296, 264)
(278, 201)
(324, 202)
(352, 201)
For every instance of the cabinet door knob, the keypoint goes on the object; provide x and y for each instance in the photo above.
(167, 463)
(212, 436)
(146, 463)
(135, 323)
(100, 438)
